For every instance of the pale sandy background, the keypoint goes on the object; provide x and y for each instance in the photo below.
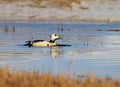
(99, 10)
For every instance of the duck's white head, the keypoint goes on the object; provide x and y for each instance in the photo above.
(54, 37)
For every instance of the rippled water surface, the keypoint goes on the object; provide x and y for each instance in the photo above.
(95, 47)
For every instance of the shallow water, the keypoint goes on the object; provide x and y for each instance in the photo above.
(95, 47)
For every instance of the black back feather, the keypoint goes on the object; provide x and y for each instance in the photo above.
(30, 43)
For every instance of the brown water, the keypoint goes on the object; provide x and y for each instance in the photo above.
(95, 47)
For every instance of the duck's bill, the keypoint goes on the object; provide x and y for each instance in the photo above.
(60, 38)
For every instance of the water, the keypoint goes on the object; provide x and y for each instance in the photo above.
(95, 47)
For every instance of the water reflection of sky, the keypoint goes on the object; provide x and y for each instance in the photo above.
(90, 51)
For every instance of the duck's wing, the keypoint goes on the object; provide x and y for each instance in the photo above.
(30, 41)
(37, 41)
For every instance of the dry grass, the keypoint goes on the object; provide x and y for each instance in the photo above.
(55, 3)
(64, 3)
(37, 79)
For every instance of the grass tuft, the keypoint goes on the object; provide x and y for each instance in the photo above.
(18, 78)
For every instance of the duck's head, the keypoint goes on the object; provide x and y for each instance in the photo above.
(54, 37)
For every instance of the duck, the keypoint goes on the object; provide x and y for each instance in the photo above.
(38, 43)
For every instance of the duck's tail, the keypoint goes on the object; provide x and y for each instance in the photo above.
(28, 43)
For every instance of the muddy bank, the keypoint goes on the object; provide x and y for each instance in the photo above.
(98, 10)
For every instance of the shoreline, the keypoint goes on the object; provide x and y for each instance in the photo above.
(63, 20)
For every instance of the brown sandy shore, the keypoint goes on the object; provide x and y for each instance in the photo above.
(18, 78)
(97, 10)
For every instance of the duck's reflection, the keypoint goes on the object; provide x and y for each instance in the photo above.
(54, 51)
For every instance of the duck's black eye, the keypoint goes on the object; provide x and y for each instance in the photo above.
(55, 35)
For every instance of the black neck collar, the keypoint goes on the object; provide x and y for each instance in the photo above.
(52, 41)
